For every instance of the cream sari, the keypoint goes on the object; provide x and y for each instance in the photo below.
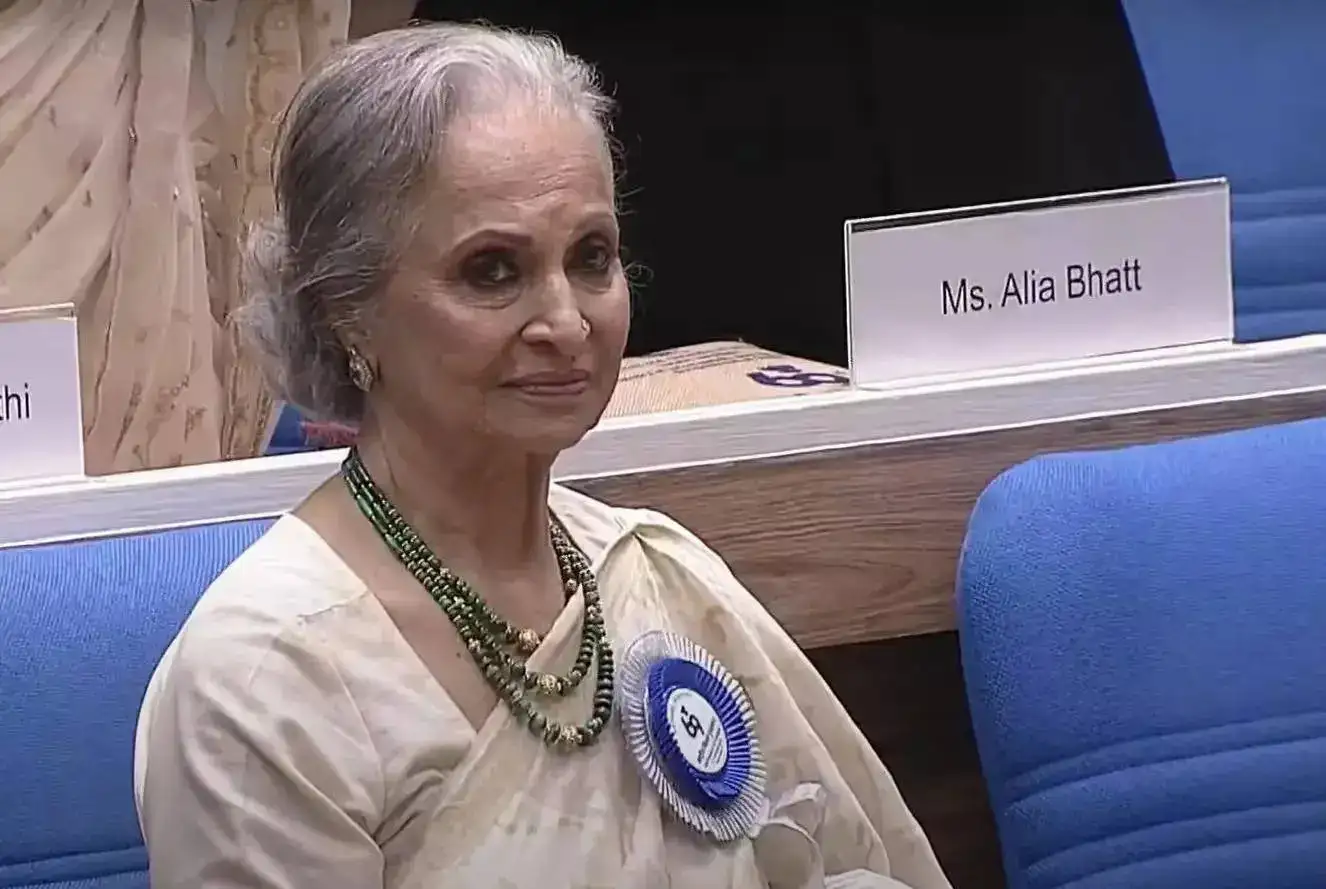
(292, 738)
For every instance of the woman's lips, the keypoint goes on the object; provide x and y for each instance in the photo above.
(552, 385)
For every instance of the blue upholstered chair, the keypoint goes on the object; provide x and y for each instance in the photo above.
(82, 625)
(1144, 641)
(1239, 87)
(288, 434)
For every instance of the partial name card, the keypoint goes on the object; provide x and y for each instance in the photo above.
(1005, 286)
(41, 410)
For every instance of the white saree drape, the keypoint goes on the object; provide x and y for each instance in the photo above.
(293, 737)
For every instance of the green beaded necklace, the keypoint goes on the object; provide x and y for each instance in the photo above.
(499, 648)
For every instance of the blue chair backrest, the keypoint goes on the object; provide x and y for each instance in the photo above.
(288, 436)
(82, 626)
(1144, 641)
(1239, 87)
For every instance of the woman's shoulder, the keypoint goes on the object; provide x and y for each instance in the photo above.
(289, 579)
(274, 616)
(259, 669)
(274, 594)
(289, 649)
(673, 550)
(599, 526)
(594, 525)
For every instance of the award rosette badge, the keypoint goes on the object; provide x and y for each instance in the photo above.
(691, 728)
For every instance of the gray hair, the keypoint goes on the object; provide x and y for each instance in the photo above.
(355, 152)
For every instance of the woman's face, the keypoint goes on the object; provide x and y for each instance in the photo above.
(506, 324)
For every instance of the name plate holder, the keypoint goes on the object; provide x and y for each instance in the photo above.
(41, 409)
(1026, 284)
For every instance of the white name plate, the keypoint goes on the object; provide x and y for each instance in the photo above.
(41, 411)
(1030, 282)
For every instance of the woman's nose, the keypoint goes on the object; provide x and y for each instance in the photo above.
(559, 319)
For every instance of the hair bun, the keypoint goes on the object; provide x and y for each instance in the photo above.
(266, 257)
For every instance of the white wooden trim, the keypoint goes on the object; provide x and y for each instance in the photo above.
(66, 509)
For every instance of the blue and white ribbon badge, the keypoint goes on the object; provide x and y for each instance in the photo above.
(691, 728)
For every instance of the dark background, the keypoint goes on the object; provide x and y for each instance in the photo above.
(752, 133)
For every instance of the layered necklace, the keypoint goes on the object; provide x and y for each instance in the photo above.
(499, 648)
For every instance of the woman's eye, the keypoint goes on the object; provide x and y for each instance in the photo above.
(595, 256)
(491, 270)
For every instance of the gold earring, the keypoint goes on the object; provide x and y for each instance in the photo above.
(361, 372)
(584, 326)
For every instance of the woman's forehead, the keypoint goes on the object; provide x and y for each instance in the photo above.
(497, 155)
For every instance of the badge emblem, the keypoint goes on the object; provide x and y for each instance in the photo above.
(691, 728)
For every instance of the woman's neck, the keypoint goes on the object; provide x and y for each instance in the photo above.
(479, 507)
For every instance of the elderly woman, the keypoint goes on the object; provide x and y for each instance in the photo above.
(441, 670)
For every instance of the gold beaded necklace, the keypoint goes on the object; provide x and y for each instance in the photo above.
(498, 648)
